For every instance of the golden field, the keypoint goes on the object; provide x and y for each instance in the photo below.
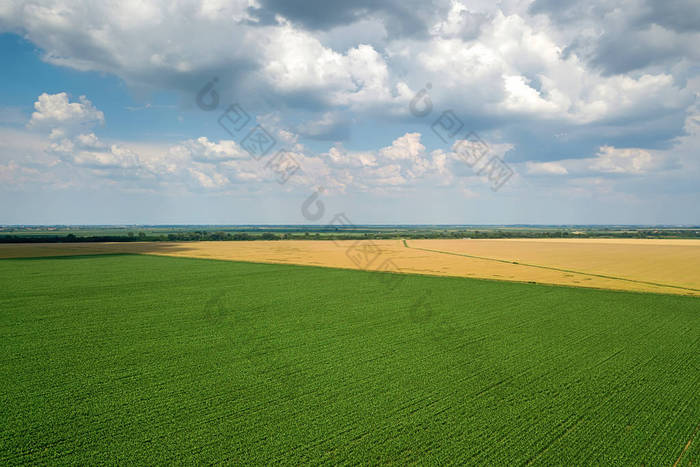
(663, 266)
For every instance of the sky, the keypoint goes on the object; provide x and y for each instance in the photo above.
(365, 112)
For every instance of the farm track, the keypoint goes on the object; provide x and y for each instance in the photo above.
(685, 449)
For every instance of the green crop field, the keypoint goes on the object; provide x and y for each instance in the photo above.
(138, 359)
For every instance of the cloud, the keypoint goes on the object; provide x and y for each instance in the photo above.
(116, 157)
(203, 150)
(338, 156)
(208, 181)
(88, 151)
(406, 166)
(66, 120)
(330, 126)
(619, 38)
(296, 62)
(546, 168)
(622, 161)
(623, 50)
(578, 91)
(493, 63)
(678, 15)
(55, 111)
(610, 161)
(14, 175)
(200, 163)
(89, 141)
(406, 147)
(401, 17)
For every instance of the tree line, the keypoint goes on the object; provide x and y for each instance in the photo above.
(204, 235)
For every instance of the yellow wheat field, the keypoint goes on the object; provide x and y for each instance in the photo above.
(664, 266)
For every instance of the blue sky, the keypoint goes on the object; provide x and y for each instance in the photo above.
(567, 112)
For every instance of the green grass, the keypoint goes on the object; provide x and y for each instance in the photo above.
(123, 359)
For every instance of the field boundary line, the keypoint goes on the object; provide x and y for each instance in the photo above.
(685, 449)
(551, 268)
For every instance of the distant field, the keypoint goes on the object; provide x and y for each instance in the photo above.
(145, 359)
(663, 266)
(672, 262)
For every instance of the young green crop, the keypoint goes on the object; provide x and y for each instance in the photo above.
(138, 359)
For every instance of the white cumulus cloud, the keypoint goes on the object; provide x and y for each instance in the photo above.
(57, 112)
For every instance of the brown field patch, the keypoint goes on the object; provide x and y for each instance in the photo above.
(664, 266)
